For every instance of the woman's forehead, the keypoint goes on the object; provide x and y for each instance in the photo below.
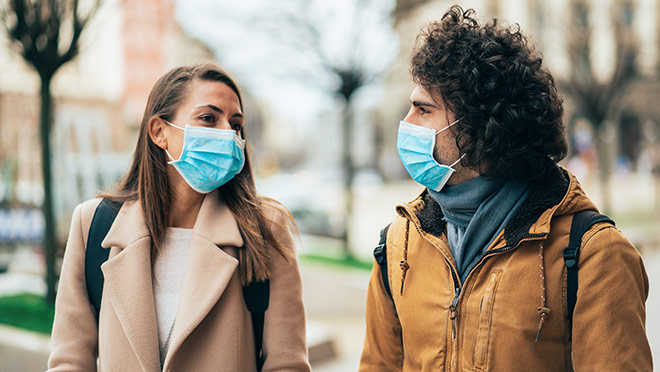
(204, 93)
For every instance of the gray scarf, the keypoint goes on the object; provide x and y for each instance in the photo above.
(476, 211)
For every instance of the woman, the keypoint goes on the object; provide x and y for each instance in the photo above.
(190, 235)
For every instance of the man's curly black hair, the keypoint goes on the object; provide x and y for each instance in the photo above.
(488, 75)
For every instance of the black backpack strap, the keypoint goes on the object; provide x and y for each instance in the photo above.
(256, 295)
(380, 254)
(582, 221)
(95, 255)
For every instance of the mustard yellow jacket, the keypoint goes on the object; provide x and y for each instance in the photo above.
(495, 319)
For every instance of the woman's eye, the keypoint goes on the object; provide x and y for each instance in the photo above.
(423, 110)
(236, 126)
(207, 118)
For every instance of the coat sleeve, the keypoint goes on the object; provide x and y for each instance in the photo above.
(383, 348)
(75, 334)
(284, 342)
(609, 332)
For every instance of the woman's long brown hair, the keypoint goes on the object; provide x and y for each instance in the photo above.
(148, 183)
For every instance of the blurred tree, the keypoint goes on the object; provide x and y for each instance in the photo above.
(46, 34)
(347, 70)
(360, 62)
(598, 99)
(404, 8)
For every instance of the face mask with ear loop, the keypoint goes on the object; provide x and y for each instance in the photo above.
(209, 158)
(415, 145)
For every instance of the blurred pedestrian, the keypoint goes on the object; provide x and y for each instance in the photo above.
(475, 273)
(188, 246)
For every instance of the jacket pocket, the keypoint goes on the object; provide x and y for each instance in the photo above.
(485, 318)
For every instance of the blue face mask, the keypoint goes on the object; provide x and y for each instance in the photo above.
(209, 157)
(415, 145)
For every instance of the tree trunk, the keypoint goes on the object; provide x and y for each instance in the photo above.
(49, 242)
(379, 147)
(604, 171)
(349, 172)
(657, 192)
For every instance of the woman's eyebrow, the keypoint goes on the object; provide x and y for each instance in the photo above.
(212, 107)
(218, 109)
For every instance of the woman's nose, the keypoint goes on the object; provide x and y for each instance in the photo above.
(223, 124)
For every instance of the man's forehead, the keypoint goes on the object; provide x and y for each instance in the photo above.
(419, 94)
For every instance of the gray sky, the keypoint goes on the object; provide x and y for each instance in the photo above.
(266, 58)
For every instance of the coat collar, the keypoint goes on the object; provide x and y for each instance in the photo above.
(557, 193)
(128, 275)
(215, 223)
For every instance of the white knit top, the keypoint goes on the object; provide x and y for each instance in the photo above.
(169, 270)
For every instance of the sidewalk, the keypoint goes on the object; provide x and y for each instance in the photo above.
(335, 298)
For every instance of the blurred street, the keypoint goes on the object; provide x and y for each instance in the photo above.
(324, 85)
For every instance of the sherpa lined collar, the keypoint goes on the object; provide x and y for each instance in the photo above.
(546, 193)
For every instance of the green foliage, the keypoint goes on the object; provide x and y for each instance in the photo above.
(345, 262)
(27, 311)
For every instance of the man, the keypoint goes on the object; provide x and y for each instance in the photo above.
(472, 277)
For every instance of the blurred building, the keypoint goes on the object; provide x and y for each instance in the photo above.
(633, 127)
(99, 98)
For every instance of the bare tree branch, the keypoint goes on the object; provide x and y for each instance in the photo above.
(36, 26)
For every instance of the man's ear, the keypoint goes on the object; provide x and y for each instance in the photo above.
(156, 127)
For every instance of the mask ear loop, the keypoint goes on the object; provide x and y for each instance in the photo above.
(444, 129)
(174, 125)
(447, 127)
(170, 156)
(167, 152)
(456, 162)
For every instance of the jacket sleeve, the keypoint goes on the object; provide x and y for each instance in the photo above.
(75, 334)
(383, 348)
(609, 333)
(284, 343)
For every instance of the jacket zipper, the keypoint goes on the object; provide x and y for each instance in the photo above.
(453, 315)
(453, 310)
(453, 306)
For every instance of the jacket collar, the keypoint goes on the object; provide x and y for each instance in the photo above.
(533, 217)
(128, 275)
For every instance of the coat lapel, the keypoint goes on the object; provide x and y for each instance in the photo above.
(209, 268)
(128, 283)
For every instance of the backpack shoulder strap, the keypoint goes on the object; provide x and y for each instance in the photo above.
(256, 295)
(582, 221)
(95, 255)
(380, 254)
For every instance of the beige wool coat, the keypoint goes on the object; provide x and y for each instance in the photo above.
(213, 328)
